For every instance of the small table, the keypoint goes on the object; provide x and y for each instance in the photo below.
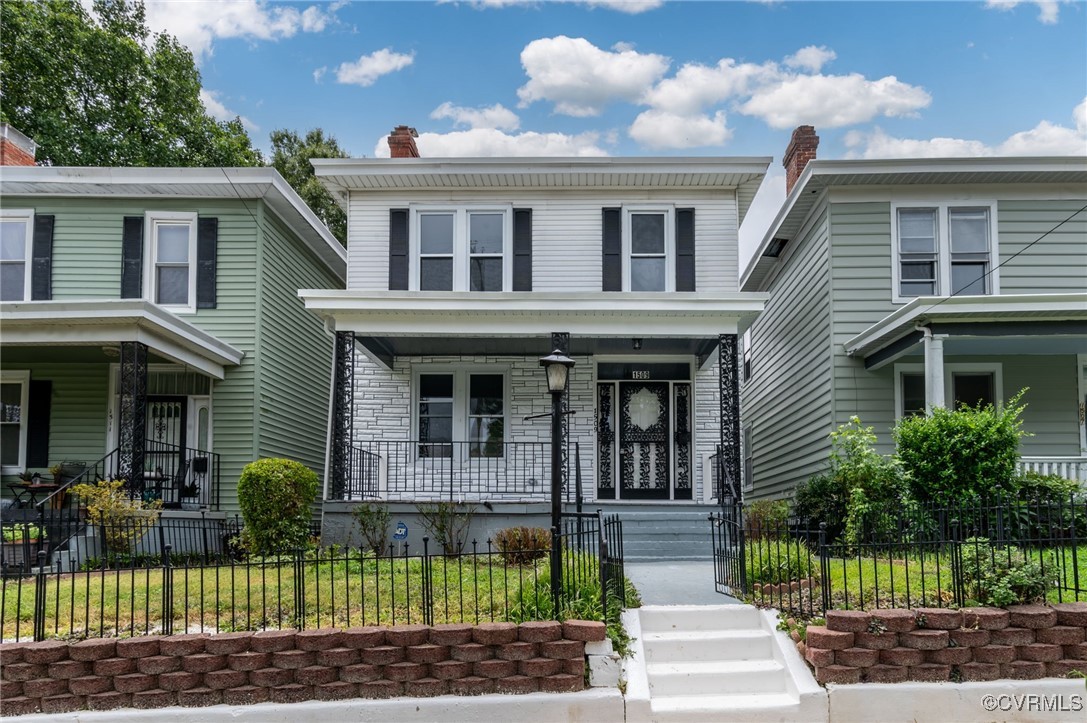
(27, 494)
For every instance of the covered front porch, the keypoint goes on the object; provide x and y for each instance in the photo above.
(943, 352)
(440, 396)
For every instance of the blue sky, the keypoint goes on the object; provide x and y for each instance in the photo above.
(606, 77)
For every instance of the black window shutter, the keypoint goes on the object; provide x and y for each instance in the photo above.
(41, 270)
(39, 400)
(613, 250)
(685, 249)
(398, 249)
(522, 249)
(132, 258)
(207, 252)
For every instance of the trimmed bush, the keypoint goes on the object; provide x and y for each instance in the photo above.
(276, 497)
(522, 545)
(954, 456)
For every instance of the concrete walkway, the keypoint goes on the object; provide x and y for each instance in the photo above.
(676, 583)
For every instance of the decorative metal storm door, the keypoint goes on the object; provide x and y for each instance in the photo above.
(644, 440)
(166, 426)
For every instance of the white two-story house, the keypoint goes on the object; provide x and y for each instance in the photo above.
(464, 272)
(900, 285)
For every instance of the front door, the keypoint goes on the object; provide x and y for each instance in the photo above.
(166, 427)
(644, 441)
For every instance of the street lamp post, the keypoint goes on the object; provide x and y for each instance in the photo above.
(557, 366)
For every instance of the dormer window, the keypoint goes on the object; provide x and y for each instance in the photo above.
(464, 249)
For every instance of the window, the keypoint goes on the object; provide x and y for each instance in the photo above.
(14, 390)
(172, 260)
(462, 249)
(747, 355)
(970, 384)
(461, 412)
(745, 443)
(648, 245)
(943, 249)
(15, 254)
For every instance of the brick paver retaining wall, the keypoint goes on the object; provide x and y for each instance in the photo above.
(1021, 642)
(287, 666)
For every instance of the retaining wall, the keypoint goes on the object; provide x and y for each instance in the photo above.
(288, 666)
(1021, 642)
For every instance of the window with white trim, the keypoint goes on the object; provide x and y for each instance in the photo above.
(14, 394)
(16, 232)
(463, 249)
(171, 260)
(461, 412)
(649, 249)
(747, 355)
(748, 458)
(969, 384)
(943, 249)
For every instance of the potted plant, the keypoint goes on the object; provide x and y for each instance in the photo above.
(190, 494)
(21, 543)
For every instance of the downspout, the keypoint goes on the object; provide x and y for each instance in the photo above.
(934, 367)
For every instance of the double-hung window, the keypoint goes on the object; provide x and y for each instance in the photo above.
(461, 413)
(171, 257)
(15, 254)
(649, 249)
(970, 384)
(14, 392)
(465, 249)
(944, 249)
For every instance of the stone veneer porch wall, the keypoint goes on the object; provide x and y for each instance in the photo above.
(286, 666)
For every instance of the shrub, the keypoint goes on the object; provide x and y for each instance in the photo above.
(823, 498)
(766, 518)
(522, 545)
(275, 496)
(777, 561)
(124, 520)
(953, 456)
(373, 522)
(1047, 488)
(1003, 575)
(448, 522)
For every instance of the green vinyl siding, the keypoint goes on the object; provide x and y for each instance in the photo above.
(295, 351)
(1054, 264)
(787, 401)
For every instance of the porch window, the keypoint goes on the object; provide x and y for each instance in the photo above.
(462, 249)
(649, 250)
(14, 390)
(461, 405)
(913, 395)
(973, 388)
(942, 249)
(15, 250)
(172, 257)
(970, 384)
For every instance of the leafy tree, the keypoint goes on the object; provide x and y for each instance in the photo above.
(101, 90)
(291, 157)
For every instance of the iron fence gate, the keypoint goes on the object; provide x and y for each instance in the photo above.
(729, 570)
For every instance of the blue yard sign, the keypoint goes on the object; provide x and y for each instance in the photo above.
(401, 531)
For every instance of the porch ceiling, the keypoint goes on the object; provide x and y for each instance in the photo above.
(532, 345)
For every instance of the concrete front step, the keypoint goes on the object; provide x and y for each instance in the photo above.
(689, 618)
(701, 645)
(708, 677)
(748, 708)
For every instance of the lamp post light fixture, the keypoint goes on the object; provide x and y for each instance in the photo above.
(557, 365)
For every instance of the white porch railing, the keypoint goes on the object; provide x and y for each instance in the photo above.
(1067, 467)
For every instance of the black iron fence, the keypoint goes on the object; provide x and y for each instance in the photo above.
(980, 552)
(213, 588)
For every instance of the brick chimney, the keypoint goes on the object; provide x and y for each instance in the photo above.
(15, 148)
(801, 150)
(402, 142)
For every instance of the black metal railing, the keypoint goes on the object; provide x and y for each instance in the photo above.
(452, 471)
(917, 556)
(164, 589)
(182, 477)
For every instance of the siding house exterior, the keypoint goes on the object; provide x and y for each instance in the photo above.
(899, 285)
(152, 328)
(463, 273)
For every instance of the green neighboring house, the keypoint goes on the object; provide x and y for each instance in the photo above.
(899, 285)
(152, 330)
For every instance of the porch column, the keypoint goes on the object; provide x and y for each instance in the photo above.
(561, 340)
(934, 370)
(729, 395)
(343, 415)
(132, 428)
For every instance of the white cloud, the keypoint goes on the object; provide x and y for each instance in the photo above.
(581, 79)
(1048, 10)
(1045, 139)
(493, 142)
(834, 100)
(660, 129)
(495, 116)
(198, 23)
(696, 86)
(217, 110)
(811, 58)
(319, 73)
(368, 68)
